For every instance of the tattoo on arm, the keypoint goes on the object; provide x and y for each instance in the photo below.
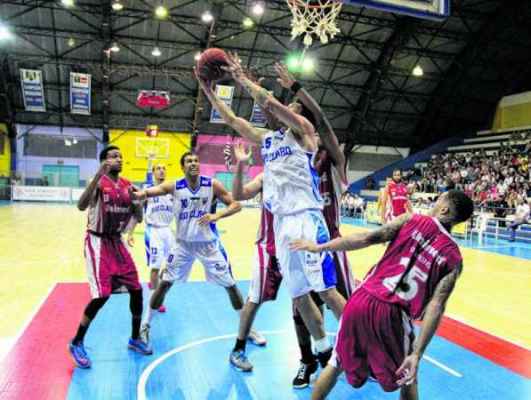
(388, 232)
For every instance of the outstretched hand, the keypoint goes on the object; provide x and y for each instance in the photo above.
(241, 154)
(137, 194)
(234, 66)
(205, 85)
(285, 79)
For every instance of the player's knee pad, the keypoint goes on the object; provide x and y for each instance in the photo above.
(135, 302)
(94, 306)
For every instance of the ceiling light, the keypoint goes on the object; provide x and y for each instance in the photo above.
(74, 140)
(156, 52)
(308, 64)
(161, 12)
(71, 42)
(117, 6)
(115, 48)
(248, 22)
(5, 33)
(68, 3)
(68, 142)
(207, 17)
(258, 8)
(197, 56)
(418, 71)
(293, 62)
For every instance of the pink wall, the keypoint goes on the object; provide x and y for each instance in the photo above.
(210, 149)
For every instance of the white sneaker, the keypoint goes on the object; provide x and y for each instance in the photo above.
(257, 338)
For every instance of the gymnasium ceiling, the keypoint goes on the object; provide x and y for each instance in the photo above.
(362, 79)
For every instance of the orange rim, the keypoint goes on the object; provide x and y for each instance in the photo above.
(302, 4)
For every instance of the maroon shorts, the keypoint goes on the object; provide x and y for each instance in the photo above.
(109, 266)
(266, 277)
(373, 339)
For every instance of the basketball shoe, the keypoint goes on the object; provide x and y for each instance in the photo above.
(239, 360)
(302, 379)
(79, 355)
(256, 338)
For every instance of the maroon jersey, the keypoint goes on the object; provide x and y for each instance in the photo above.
(331, 187)
(398, 197)
(113, 211)
(266, 235)
(414, 263)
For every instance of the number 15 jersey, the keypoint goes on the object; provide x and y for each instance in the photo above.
(421, 255)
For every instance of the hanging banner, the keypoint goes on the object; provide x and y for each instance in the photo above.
(32, 90)
(225, 93)
(80, 93)
(258, 117)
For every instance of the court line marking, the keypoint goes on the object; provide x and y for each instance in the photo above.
(142, 381)
(28, 321)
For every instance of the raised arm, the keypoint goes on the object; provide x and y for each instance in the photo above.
(322, 124)
(252, 188)
(267, 101)
(88, 196)
(240, 125)
(356, 241)
(432, 318)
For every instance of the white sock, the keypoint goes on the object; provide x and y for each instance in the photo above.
(149, 315)
(322, 345)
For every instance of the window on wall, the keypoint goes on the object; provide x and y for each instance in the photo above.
(54, 146)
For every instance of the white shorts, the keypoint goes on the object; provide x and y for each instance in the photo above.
(266, 278)
(304, 271)
(211, 254)
(159, 241)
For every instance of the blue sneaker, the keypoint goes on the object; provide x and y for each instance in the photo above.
(79, 355)
(240, 361)
(140, 346)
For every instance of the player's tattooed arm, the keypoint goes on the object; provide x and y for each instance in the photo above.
(356, 241)
(226, 198)
(240, 125)
(432, 318)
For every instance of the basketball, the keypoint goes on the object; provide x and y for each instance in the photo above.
(210, 63)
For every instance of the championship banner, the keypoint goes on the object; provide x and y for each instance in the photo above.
(80, 85)
(258, 117)
(32, 90)
(225, 93)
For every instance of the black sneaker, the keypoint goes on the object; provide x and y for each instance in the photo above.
(324, 357)
(302, 379)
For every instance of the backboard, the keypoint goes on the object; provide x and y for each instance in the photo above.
(431, 9)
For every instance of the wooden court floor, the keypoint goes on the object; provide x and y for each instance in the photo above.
(41, 245)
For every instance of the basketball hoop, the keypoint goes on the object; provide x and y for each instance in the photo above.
(314, 18)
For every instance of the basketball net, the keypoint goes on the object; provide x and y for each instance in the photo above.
(314, 18)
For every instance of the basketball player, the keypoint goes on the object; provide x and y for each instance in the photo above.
(266, 277)
(158, 237)
(412, 281)
(331, 166)
(290, 193)
(396, 195)
(386, 212)
(109, 264)
(194, 204)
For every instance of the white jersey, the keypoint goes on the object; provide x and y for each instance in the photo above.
(158, 211)
(190, 205)
(291, 183)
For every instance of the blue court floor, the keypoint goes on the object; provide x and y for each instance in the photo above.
(193, 339)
